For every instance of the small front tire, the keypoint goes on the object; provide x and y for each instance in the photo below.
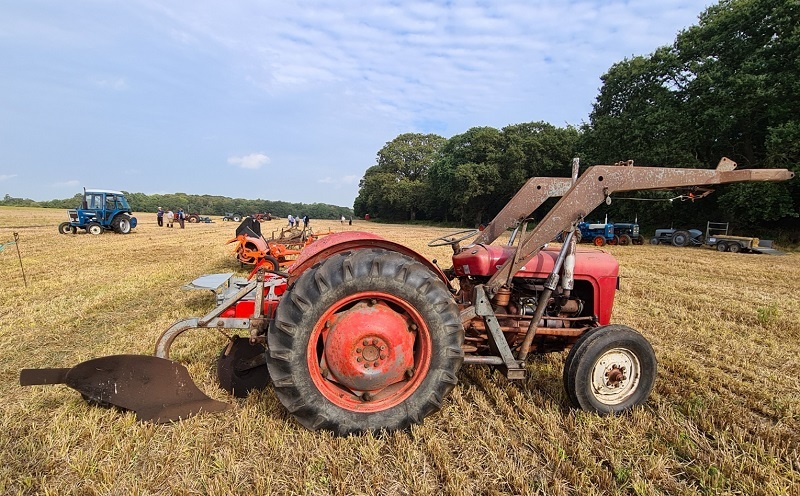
(65, 228)
(610, 370)
(94, 228)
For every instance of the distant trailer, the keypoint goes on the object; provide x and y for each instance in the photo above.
(717, 237)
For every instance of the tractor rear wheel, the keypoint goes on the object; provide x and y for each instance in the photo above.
(193, 219)
(65, 228)
(366, 341)
(681, 238)
(94, 228)
(609, 370)
(121, 224)
(599, 241)
(625, 240)
(613, 241)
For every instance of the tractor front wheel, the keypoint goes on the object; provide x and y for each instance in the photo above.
(366, 341)
(65, 228)
(609, 370)
(599, 241)
(625, 240)
(94, 228)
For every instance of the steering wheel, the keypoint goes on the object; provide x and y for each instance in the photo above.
(452, 239)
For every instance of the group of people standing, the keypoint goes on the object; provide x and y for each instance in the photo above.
(295, 221)
(180, 216)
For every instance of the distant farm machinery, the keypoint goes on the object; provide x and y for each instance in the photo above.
(276, 253)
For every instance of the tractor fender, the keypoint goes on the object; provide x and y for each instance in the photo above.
(352, 240)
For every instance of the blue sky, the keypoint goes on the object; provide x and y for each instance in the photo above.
(284, 100)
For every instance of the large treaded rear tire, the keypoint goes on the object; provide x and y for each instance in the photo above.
(365, 300)
(121, 224)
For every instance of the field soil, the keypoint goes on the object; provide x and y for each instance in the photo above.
(724, 416)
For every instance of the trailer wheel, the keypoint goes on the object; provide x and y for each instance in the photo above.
(722, 246)
(94, 228)
(681, 238)
(366, 341)
(121, 224)
(65, 228)
(625, 240)
(611, 369)
(599, 241)
(241, 367)
(734, 247)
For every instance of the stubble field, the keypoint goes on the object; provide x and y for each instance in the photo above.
(724, 417)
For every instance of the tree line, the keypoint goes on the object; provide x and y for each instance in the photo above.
(728, 86)
(200, 204)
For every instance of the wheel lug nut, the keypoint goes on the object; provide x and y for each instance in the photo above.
(358, 350)
(359, 359)
(383, 347)
(375, 364)
(366, 342)
(410, 373)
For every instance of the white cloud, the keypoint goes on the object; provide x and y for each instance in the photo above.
(252, 161)
(3, 177)
(116, 84)
(339, 180)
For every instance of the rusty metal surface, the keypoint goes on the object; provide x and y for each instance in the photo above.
(601, 181)
(535, 191)
(158, 390)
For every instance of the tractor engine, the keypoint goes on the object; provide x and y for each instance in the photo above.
(569, 313)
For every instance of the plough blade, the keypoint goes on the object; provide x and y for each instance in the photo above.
(157, 389)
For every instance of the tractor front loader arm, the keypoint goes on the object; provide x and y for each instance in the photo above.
(530, 197)
(601, 181)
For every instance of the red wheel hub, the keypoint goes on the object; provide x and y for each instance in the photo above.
(369, 351)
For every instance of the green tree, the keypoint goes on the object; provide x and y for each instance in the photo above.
(396, 187)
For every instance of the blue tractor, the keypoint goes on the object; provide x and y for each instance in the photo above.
(100, 210)
(599, 234)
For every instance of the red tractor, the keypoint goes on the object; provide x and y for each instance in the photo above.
(365, 334)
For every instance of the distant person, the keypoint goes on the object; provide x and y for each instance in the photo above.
(291, 220)
(305, 221)
(351, 220)
(341, 221)
(366, 216)
(181, 216)
(160, 217)
(170, 216)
